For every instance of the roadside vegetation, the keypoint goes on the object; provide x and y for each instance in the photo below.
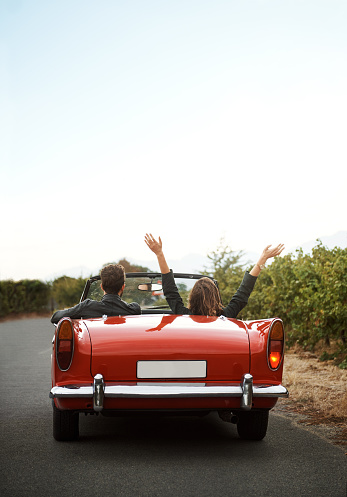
(35, 296)
(307, 291)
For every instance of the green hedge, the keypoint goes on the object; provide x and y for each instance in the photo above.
(24, 296)
(309, 292)
(36, 296)
(67, 291)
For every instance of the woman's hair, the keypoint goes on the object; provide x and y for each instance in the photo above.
(204, 298)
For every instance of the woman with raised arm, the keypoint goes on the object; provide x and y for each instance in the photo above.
(204, 298)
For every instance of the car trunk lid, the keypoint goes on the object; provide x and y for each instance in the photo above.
(168, 348)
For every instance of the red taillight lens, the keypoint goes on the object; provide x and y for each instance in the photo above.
(274, 359)
(64, 345)
(275, 345)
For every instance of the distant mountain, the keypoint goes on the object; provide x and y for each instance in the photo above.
(73, 272)
(191, 263)
(196, 263)
(339, 239)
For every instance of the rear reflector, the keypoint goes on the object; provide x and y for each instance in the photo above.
(64, 344)
(275, 346)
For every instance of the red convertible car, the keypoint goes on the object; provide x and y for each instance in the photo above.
(160, 362)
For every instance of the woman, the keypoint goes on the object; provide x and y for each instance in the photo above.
(204, 297)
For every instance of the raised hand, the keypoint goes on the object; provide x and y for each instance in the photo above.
(157, 248)
(267, 253)
(271, 252)
(153, 244)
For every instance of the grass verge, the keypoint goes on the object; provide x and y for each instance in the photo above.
(318, 391)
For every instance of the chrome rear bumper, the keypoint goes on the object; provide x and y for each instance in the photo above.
(99, 390)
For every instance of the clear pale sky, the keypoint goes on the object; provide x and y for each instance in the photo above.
(190, 119)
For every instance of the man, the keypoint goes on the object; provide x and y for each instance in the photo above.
(111, 304)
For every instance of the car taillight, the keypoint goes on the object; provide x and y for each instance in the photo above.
(275, 345)
(64, 344)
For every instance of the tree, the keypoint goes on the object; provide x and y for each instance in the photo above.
(131, 292)
(130, 268)
(67, 291)
(226, 268)
(133, 268)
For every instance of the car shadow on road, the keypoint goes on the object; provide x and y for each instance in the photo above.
(182, 434)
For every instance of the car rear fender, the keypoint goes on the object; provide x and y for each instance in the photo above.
(79, 369)
(258, 332)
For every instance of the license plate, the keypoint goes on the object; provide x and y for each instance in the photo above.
(171, 369)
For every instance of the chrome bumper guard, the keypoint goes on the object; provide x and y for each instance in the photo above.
(98, 391)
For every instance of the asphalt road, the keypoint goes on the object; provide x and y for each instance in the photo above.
(143, 457)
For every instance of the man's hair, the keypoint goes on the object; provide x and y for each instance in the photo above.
(204, 298)
(112, 278)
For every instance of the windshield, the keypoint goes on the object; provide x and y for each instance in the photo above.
(145, 290)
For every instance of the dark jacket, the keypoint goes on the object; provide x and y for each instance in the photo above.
(236, 304)
(109, 305)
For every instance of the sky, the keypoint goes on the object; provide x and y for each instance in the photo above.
(194, 120)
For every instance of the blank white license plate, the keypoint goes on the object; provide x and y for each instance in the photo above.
(171, 369)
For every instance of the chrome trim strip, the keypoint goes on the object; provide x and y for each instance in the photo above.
(272, 391)
(172, 391)
(74, 392)
(168, 384)
(166, 391)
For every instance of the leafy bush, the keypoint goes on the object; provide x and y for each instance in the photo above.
(307, 291)
(67, 291)
(23, 296)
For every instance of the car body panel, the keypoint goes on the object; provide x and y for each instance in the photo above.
(119, 343)
(114, 346)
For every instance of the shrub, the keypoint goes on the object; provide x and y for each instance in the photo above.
(67, 291)
(307, 291)
(23, 296)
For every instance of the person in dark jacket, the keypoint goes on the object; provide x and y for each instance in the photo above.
(204, 298)
(111, 304)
